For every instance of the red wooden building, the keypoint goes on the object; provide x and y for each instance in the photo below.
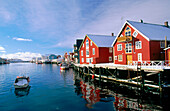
(138, 41)
(96, 49)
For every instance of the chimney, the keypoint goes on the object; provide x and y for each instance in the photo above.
(112, 34)
(141, 20)
(166, 24)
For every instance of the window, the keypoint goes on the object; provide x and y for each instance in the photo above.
(119, 47)
(139, 56)
(87, 44)
(110, 50)
(162, 44)
(128, 32)
(91, 43)
(87, 60)
(87, 53)
(120, 58)
(128, 48)
(82, 59)
(93, 51)
(138, 44)
(81, 52)
(115, 57)
(92, 59)
(121, 35)
(135, 34)
(110, 58)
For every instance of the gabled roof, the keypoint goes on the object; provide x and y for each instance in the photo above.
(148, 30)
(152, 31)
(100, 40)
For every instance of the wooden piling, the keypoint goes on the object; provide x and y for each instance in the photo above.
(143, 81)
(100, 76)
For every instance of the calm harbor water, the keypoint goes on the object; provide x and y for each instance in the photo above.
(52, 90)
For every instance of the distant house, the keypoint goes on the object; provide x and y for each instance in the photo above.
(138, 41)
(71, 56)
(96, 49)
(76, 53)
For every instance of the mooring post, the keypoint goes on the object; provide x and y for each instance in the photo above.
(143, 80)
(107, 71)
(94, 69)
(116, 73)
(100, 76)
(160, 83)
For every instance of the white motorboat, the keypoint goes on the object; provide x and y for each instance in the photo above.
(64, 66)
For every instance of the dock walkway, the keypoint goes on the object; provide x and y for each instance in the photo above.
(126, 67)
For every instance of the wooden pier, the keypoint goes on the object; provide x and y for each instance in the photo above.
(146, 78)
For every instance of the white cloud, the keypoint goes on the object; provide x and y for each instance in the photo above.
(21, 55)
(22, 39)
(3, 51)
(2, 48)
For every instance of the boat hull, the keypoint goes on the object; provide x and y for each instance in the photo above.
(64, 68)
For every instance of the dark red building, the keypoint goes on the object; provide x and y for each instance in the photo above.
(96, 49)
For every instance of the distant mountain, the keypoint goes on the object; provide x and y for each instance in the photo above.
(16, 60)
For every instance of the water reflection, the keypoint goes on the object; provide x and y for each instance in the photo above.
(22, 92)
(122, 98)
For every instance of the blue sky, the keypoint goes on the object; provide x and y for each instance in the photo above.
(32, 27)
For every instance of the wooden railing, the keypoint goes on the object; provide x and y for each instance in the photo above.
(154, 64)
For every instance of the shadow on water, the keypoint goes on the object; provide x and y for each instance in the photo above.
(22, 92)
(122, 97)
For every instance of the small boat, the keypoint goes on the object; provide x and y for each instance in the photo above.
(64, 66)
(38, 62)
(21, 82)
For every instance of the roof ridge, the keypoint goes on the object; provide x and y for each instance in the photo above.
(100, 35)
(149, 23)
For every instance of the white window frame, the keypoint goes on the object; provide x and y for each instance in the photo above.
(138, 44)
(91, 59)
(93, 51)
(91, 43)
(162, 44)
(110, 58)
(83, 45)
(128, 48)
(140, 57)
(119, 58)
(82, 59)
(128, 32)
(119, 47)
(86, 53)
(135, 34)
(115, 57)
(110, 50)
(87, 60)
(87, 44)
(81, 52)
